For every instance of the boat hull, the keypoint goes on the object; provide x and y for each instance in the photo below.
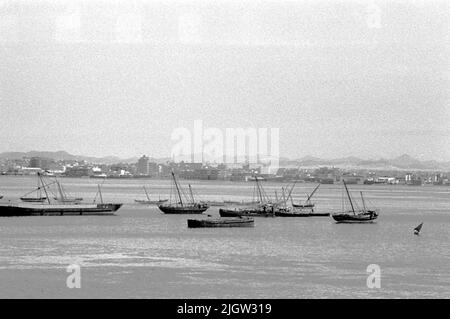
(59, 210)
(220, 222)
(303, 206)
(182, 210)
(245, 213)
(283, 214)
(150, 202)
(361, 218)
(33, 200)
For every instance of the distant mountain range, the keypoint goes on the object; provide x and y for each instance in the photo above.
(403, 162)
(63, 155)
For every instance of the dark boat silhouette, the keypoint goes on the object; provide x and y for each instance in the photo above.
(52, 207)
(183, 207)
(263, 207)
(264, 210)
(30, 209)
(355, 216)
(417, 229)
(33, 199)
(300, 213)
(221, 222)
(296, 210)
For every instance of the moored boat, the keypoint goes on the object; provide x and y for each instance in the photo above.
(305, 210)
(39, 198)
(221, 222)
(355, 216)
(33, 199)
(183, 207)
(187, 209)
(260, 211)
(55, 207)
(148, 201)
(307, 203)
(29, 209)
(261, 207)
(300, 213)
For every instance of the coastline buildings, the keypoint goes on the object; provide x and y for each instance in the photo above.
(145, 167)
(142, 166)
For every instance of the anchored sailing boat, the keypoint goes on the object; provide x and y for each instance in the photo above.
(307, 203)
(149, 201)
(306, 210)
(355, 216)
(57, 207)
(262, 208)
(39, 198)
(183, 207)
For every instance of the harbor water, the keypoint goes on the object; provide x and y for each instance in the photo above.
(142, 253)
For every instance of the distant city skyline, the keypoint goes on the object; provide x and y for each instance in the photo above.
(337, 78)
(53, 154)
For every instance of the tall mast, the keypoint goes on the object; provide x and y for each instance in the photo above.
(145, 190)
(100, 193)
(44, 186)
(39, 188)
(60, 191)
(364, 204)
(311, 195)
(178, 190)
(259, 190)
(349, 198)
(192, 195)
(290, 192)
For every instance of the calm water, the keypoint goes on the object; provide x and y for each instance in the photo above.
(141, 253)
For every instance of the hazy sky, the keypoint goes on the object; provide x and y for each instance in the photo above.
(339, 78)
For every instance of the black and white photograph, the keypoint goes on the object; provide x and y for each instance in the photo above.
(253, 150)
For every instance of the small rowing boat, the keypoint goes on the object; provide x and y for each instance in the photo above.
(221, 222)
